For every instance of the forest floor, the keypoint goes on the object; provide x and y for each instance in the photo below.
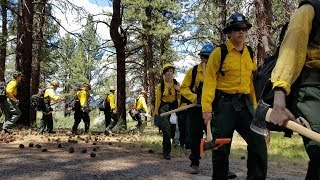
(120, 156)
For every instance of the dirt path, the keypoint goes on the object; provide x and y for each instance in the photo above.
(117, 157)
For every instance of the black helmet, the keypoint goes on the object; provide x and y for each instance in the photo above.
(236, 19)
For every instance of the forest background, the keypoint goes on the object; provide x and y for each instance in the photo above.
(138, 37)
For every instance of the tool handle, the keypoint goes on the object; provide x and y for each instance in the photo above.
(209, 134)
(178, 109)
(303, 131)
(298, 128)
(220, 142)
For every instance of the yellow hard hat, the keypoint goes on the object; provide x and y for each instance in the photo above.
(167, 66)
(87, 85)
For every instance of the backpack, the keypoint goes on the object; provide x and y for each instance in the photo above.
(102, 104)
(2, 93)
(224, 52)
(38, 100)
(74, 103)
(193, 81)
(263, 86)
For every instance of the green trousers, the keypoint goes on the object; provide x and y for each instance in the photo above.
(12, 113)
(165, 127)
(142, 123)
(306, 103)
(234, 112)
(196, 133)
(46, 122)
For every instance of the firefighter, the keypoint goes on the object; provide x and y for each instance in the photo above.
(82, 109)
(228, 100)
(46, 121)
(167, 96)
(297, 73)
(11, 103)
(110, 111)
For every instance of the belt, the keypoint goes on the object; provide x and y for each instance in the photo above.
(222, 94)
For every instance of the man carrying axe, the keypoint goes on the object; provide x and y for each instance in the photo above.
(228, 100)
(299, 63)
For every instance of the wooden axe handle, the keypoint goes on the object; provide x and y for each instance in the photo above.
(178, 109)
(298, 128)
(209, 134)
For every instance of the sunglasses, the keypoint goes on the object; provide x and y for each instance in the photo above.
(244, 29)
(170, 93)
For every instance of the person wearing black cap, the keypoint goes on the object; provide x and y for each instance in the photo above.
(228, 100)
(11, 103)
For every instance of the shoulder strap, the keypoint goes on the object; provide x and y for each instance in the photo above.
(193, 77)
(250, 51)
(175, 83)
(162, 87)
(224, 52)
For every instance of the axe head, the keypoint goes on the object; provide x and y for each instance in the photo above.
(258, 124)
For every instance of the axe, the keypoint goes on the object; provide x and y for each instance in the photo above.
(157, 118)
(262, 114)
(212, 144)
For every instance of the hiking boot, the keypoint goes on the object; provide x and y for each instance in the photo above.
(5, 131)
(194, 169)
(188, 152)
(107, 132)
(231, 175)
(166, 157)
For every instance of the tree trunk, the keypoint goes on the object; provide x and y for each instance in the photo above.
(38, 52)
(3, 43)
(24, 57)
(119, 39)
(264, 14)
(148, 51)
(223, 16)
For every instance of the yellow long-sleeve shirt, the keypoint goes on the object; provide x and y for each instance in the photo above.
(11, 90)
(111, 100)
(50, 93)
(294, 51)
(238, 76)
(83, 97)
(186, 83)
(141, 104)
(169, 95)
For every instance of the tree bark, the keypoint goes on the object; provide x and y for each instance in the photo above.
(264, 14)
(223, 18)
(148, 54)
(24, 57)
(38, 52)
(3, 43)
(119, 39)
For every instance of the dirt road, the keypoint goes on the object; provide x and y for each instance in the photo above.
(117, 157)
